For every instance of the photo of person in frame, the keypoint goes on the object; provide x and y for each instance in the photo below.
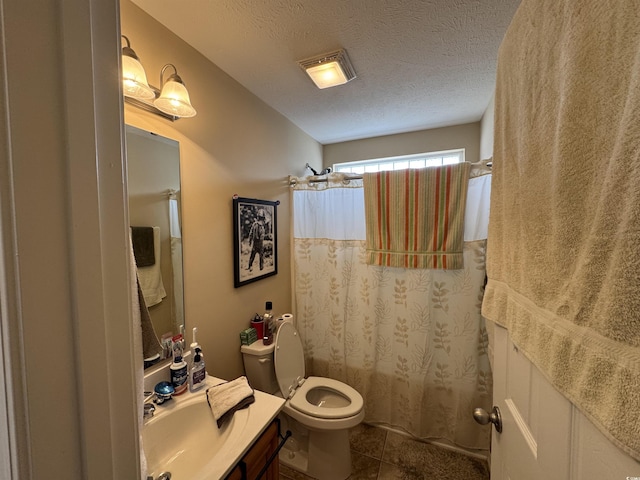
(255, 237)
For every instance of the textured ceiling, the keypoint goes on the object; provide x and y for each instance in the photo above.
(420, 63)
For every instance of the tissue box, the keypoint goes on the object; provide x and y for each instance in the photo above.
(248, 336)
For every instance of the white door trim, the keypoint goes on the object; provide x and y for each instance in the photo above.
(65, 299)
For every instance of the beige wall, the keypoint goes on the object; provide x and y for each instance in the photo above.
(235, 145)
(447, 138)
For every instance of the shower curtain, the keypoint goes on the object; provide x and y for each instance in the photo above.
(411, 341)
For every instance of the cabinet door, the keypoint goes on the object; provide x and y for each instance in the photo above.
(258, 456)
(236, 473)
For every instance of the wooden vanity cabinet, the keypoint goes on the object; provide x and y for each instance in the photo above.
(257, 457)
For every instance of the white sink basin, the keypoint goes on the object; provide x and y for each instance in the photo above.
(184, 439)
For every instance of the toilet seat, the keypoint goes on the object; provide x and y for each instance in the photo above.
(301, 403)
(290, 373)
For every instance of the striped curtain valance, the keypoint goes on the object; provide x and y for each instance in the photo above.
(415, 217)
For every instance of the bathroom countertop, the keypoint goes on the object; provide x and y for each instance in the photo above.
(260, 414)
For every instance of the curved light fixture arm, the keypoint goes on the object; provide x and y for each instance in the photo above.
(127, 50)
(126, 39)
(174, 76)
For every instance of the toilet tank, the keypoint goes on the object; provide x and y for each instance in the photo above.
(258, 366)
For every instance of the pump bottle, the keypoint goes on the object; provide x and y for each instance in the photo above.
(267, 320)
(195, 344)
(198, 373)
(178, 367)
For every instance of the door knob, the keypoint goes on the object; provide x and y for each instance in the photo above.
(483, 417)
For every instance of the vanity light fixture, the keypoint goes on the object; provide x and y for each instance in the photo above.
(172, 102)
(174, 98)
(134, 78)
(330, 69)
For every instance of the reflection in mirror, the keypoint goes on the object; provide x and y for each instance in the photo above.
(153, 176)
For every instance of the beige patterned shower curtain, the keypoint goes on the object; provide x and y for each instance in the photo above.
(411, 341)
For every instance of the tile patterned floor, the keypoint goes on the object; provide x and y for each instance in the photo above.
(377, 453)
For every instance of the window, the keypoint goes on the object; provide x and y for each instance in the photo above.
(420, 160)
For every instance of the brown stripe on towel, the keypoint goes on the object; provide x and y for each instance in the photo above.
(143, 249)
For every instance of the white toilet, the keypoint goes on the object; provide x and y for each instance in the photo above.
(319, 411)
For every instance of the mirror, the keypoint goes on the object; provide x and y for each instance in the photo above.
(153, 178)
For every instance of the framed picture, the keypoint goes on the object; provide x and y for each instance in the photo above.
(255, 240)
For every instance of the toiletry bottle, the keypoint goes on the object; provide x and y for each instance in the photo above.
(195, 344)
(267, 318)
(178, 367)
(183, 338)
(167, 345)
(197, 374)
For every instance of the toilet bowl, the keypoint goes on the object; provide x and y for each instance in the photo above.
(320, 410)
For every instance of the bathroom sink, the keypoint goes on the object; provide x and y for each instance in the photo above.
(184, 439)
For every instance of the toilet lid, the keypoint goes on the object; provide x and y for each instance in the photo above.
(288, 358)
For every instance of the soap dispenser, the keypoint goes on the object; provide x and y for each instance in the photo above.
(197, 374)
(195, 344)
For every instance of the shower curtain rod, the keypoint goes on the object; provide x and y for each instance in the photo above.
(323, 178)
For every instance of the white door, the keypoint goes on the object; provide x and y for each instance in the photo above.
(544, 437)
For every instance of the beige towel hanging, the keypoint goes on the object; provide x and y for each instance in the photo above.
(563, 256)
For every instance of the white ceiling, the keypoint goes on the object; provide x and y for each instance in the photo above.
(420, 63)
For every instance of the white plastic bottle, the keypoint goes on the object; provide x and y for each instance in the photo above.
(195, 344)
(178, 367)
(198, 373)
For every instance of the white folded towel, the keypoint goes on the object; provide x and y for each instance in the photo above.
(225, 398)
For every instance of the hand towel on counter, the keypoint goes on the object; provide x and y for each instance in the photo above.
(150, 278)
(225, 398)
